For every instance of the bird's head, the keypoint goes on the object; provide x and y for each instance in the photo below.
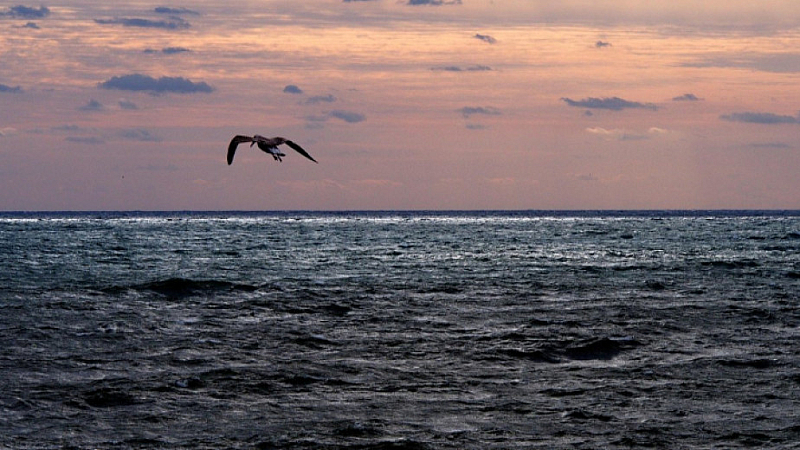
(256, 138)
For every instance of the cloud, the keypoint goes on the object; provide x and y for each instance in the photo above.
(485, 38)
(601, 44)
(615, 133)
(347, 116)
(433, 2)
(321, 99)
(316, 118)
(139, 82)
(771, 145)
(686, 98)
(66, 128)
(501, 181)
(772, 62)
(92, 105)
(292, 89)
(173, 50)
(475, 68)
(138, 134)
(612, 103)
(586, 177)
(175, 23)
(168, 10)
(168, 50)
(625, 135)
(316, 122)
(376, 183)
(759, 118)
(468, 111)
(9, 89)
(91, 140)
(26, 12)
(31, 25)
(127, 104)
(8, 131)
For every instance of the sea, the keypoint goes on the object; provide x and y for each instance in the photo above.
(400, 330)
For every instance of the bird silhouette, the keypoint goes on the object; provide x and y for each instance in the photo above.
(267, 145)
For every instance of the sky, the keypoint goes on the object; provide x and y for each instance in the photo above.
(406, 104)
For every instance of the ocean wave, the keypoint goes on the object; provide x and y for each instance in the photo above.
(177, 288)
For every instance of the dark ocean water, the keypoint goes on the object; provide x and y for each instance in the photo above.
(591, 330)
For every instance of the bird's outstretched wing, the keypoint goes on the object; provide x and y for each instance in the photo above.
(238, 139)
(298, 149)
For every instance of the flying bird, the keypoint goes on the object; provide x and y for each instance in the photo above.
(267, 145)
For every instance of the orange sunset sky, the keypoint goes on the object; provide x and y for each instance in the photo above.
(406, 104)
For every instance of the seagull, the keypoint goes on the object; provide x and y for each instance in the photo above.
(267, 145)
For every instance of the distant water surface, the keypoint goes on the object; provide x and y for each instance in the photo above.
(400, 330)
